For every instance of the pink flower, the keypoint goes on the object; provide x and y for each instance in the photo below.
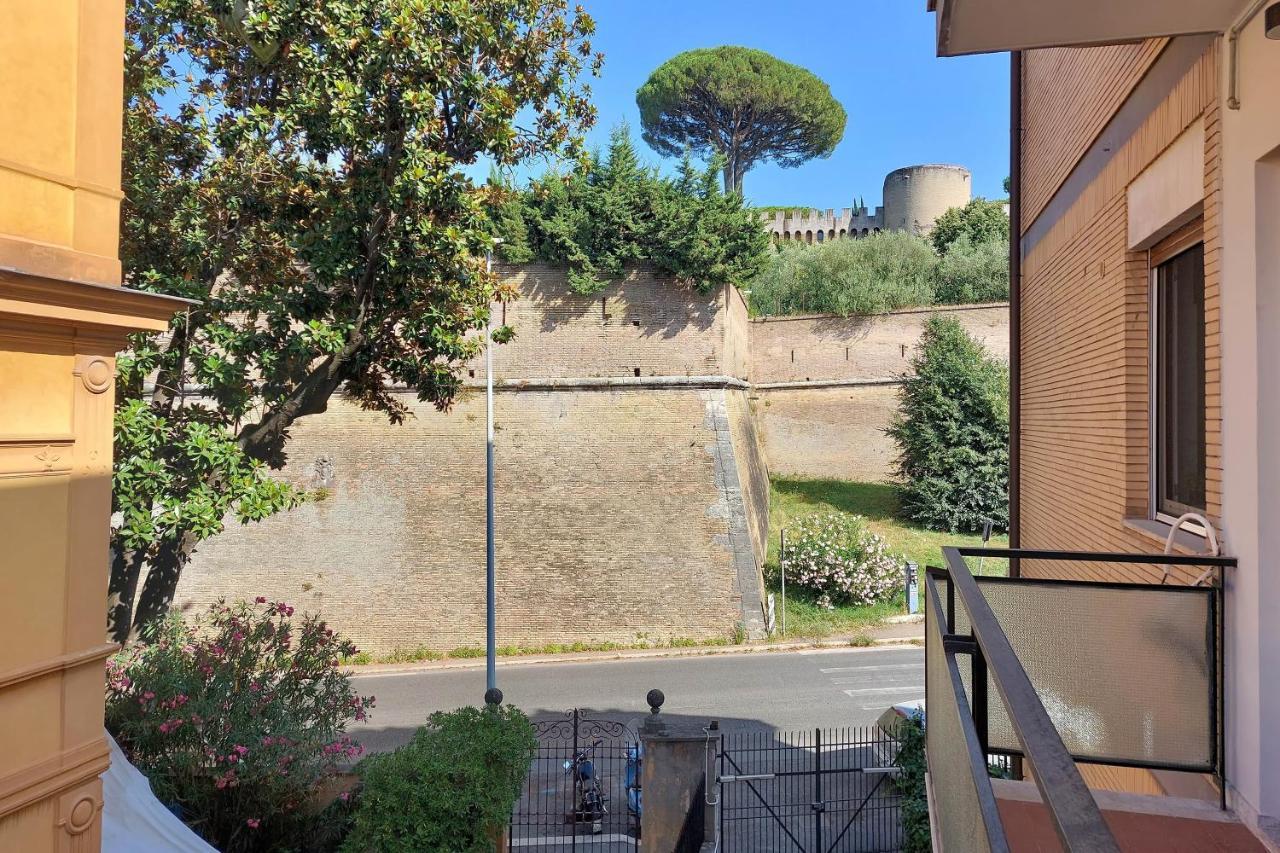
(344, 796)
(262, 599)
(148, 695)
(252, 823)
(242, 751)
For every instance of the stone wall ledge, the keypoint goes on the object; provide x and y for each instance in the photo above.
(921, 309)
(824, 383)
(604, 383)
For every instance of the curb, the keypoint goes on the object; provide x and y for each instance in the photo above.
(842, 644)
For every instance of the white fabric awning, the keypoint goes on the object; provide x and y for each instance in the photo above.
(989, 26)
(133, 820)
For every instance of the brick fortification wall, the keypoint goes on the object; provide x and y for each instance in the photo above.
(826, 388)
(633, 429)
(631, 493)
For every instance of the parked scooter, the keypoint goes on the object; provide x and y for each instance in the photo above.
(589, 801)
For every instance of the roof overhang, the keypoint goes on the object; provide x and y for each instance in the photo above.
(989, 26)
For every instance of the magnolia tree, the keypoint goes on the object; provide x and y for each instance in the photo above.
(298, 170)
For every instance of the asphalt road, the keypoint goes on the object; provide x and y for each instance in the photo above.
(769, 691)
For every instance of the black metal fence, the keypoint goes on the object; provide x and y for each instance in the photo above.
(818, 791)
(549, 816)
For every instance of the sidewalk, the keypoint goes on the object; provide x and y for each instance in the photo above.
(899, 631)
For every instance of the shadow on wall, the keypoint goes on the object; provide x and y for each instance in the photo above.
(851, 329)
(665, 312)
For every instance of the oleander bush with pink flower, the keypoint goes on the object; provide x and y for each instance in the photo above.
(836, 559)
(238, 717)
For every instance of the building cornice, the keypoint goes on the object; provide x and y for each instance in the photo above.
(26, 298)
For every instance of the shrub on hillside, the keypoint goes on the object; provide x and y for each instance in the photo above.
(237, 719)
(879, 273)
(979, 221)
(449, 788)
(836, 559)
(864, 276)
(973, 272)
(952, 432)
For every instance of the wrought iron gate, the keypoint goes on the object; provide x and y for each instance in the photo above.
(547, 817)
(818, 791)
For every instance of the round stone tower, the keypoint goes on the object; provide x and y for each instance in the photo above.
(915, 196)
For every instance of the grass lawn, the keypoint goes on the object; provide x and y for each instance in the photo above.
(791, 499)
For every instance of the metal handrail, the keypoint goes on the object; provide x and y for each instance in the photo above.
(987, 809)
(1075, 814)
(1092, 556)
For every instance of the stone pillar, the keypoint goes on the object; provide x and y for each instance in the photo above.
(63, 316)
(679, 768)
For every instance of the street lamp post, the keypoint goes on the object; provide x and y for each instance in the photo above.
(491, 651)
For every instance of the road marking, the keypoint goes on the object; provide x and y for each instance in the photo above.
(831, 669)
(882, 708)
(906, 688)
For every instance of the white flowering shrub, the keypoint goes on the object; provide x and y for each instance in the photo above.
(841, 562)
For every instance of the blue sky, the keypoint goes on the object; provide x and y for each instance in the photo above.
(905, 105)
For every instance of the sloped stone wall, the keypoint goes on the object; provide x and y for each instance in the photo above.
(631, 495)
(636, 430)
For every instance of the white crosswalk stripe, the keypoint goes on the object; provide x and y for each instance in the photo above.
(879, 686)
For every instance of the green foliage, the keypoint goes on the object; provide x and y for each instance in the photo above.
(877, 273)
(980, 220)
(865, 276)
(792, 498)
(973, 272)
(615, 211)
(952, 432)
(911, 784)
(839, 562)
(238, 718)
(299, 169)
(741, 104)
(449, 788)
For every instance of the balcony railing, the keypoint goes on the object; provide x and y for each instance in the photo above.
(1106, 673)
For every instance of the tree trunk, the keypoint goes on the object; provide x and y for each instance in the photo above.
(733, 173)
(126, 569)
(164, 570)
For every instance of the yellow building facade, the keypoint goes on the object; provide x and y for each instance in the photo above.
(63, 316)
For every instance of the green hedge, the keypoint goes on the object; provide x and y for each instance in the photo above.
(615, 211)
(449, 789)
(910, 782)
(878, 273)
